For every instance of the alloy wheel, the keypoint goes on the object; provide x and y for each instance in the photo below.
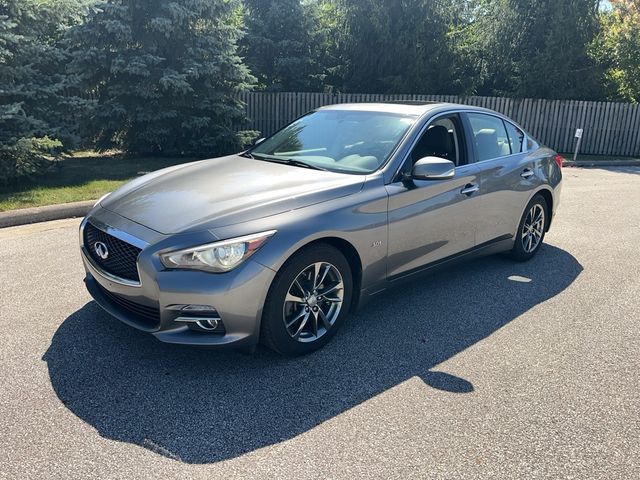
(533, 228)
(313, 302)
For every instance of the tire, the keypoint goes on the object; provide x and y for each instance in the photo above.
(314, 319)
(523, 250)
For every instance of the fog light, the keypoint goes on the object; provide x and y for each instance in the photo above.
(208, 324)
(201, 318)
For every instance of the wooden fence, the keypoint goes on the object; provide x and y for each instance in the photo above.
(609, 128)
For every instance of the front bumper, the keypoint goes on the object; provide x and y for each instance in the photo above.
(154, 305)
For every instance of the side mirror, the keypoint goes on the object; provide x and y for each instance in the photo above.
(258, 141)
(433, 168)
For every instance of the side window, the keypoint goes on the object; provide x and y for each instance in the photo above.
(516, 138)
(490, 136)
(442, 138)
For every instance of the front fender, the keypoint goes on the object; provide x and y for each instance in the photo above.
(359, 219)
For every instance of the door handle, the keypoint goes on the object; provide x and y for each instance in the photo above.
(526, 173)
(469, 188)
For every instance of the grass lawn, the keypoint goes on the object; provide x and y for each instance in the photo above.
(84, 176)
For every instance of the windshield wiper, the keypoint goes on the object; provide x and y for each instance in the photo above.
(289, 161)
(300, 163)
(247, 155)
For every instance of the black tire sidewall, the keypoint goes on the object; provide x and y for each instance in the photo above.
(273, 332)
(518, 251)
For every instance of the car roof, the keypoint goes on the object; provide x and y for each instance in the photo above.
(407, 108)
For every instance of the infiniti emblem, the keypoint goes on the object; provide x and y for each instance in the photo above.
(101, 249)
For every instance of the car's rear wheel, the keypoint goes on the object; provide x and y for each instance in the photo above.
(531, 229)
(308, 301)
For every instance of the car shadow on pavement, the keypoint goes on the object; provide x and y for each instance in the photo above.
(203, 406)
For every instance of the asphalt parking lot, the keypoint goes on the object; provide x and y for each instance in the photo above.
(490, 370)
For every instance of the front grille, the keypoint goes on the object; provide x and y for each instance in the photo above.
(122, 258)
(148, 316)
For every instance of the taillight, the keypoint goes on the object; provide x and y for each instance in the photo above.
(559, 160)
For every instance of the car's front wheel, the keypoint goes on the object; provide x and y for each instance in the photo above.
(531, 229)
(308, 300)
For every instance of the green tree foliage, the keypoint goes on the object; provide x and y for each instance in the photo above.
(401, 46)
(277, 46)
(36, 113)
(618, 49)
(533, 48)
(160, 76)
(164, 74)
(326, 37)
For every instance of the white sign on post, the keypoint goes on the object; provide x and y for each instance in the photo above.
(579, 133)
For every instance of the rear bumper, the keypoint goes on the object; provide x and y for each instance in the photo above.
(156, 304)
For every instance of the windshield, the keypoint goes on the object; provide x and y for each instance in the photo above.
(337, 140)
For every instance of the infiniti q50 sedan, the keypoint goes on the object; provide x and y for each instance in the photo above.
(279, 243)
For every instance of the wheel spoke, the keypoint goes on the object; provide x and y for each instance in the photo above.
(337, 286)
(325, 320)
(324, 275)
(315, 323)
(297, 284)
(302, 325)
(333, 299)
(296, 318)
(316, 274)
(293, 298)
(538, 218)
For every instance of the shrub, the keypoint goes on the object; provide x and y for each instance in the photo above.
(26, 158)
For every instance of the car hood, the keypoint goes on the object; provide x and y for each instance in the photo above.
(224, 191)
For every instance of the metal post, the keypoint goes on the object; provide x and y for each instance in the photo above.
(579, 133)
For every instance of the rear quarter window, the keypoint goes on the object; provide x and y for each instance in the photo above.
(516, 138)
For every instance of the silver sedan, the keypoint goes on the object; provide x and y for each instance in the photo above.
(279, 243)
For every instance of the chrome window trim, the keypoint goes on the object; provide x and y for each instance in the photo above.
(119, 234)
(430, 119)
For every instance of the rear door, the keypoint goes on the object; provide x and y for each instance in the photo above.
(507, 175)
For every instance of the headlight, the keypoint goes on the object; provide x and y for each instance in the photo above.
(216, 257)
(102, 198)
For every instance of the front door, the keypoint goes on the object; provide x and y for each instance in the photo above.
(430, 220)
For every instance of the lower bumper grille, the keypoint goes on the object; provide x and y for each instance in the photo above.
(149, 316)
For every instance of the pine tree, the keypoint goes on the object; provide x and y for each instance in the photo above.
(397, 47)
(36, 113)
(164, 74)
(278, 47)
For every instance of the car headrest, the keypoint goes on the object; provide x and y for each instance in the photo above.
(435, 142)
(487, 144)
